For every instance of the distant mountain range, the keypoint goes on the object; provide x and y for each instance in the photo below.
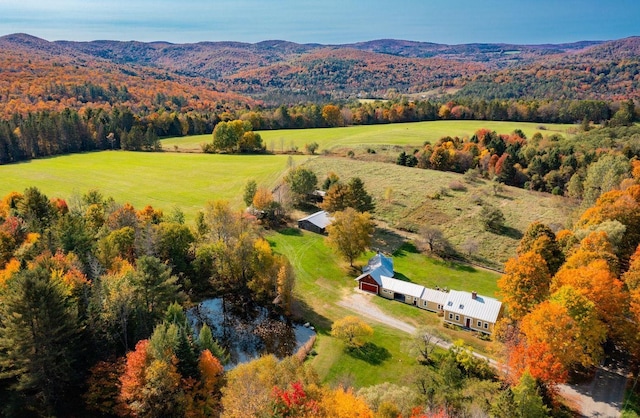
(281, 71)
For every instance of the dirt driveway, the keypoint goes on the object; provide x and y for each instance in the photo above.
(602, 397)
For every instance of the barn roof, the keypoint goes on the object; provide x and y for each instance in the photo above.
(320, 219)
(375, 274)
(400, 286)
(380, 262)
(482, 307)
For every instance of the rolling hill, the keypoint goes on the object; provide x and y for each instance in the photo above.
(239, 74)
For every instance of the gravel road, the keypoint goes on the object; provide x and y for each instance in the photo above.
(602, 397)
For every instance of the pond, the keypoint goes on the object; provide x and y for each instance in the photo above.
(248, 331)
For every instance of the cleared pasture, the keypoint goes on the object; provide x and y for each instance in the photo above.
(426, 198)
(163, 180)
(415, 134)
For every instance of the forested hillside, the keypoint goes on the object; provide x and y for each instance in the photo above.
(366, 69)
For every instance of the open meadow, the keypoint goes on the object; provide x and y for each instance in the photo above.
(163, 180)
(419, 198)
(414, 134)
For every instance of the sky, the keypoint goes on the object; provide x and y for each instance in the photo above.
(323, 21)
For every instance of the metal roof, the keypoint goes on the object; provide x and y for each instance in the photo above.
(482, 307)
(400, 286)
(436, 296)
(381, 262)
(375, 274)
(320, 219)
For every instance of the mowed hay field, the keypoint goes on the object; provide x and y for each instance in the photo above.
(415, 134)
(163, 180)
(415, 203)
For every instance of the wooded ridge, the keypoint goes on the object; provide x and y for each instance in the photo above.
(587, 69)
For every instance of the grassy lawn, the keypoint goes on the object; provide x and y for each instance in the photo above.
(323, 279)
(163, 180)
(385, 358)
(415, 133)
(409, 264)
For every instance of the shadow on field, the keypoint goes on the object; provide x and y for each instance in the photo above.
(511, 232)
(304, 313)
(406, 247)
(401, 276)
(370, 353)
(293, 232)
(387, 241)
(456, 265)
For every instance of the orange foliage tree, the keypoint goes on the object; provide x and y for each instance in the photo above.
(599, 285)
(552, 330)
(595, 246)
(632, 276)
(621, 206)
(132, 380)
(525, 283)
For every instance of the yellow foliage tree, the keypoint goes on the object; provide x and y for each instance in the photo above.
(341, 403)
(286, 281)
(352, 330)
(350, 233)
(13, 266)
(248, 389)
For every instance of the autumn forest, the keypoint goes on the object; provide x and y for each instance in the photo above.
(99, 300)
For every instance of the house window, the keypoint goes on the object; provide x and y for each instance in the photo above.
(457, 317)
(439, 306)
(479, 324)
(486, 326)
(461, 306)
(424, 303)
(450, 316)
(449, 303)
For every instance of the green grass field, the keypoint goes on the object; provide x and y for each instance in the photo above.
(414, 134)
(323, 280)
(163, 180)
(431, 272)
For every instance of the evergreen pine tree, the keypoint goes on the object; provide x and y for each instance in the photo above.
(39, 338)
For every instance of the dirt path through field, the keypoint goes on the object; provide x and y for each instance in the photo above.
(602, 397)
(360, 302)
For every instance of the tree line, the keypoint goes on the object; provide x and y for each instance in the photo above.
(583, 167)
(46, 133)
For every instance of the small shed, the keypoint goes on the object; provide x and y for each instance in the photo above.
(317, 196)
(316, 222)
